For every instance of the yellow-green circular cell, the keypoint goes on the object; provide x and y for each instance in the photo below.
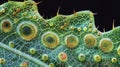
(97, 58)
(11, 44)
(90, 40)
(106, 45)
(114, 60)
(81, 57)
(2, 61)
(44, 57)
(2, 10)
(90, 25)
(72, 27)
(118, 50)
(62, 56)
(32, 51)
(85, 29)
(71, 41)
(27, 30)
(50, 39)
(51, 24)
(51, 65)
(35, 17)
(94, 30)
(79, 29)
(6, 26)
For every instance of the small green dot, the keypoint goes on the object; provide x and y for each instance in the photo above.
(32, 51)
(44, 57)
(97, 58)
(114, 60)
(11, 44)
(51, 65)
(85, 28)
(2, 61)
(81, 57)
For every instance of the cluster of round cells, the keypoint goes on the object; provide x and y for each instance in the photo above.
(28, 31)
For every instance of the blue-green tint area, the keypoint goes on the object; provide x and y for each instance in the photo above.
(30, 34)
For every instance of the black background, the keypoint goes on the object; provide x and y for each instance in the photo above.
(106, 10)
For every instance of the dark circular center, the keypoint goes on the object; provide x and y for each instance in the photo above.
(6, 24)
(50, 39)
(26, 30)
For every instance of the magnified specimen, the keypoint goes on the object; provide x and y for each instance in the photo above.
(29, 40)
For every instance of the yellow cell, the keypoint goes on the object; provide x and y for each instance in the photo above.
(106, 45)
(90, 40)
(114, 60)
(6, 25)
(71, 41)
(50, 39)
(44, 57)
(97, 58)
(27, 30)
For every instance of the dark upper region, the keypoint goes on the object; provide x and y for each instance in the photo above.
(106, 10)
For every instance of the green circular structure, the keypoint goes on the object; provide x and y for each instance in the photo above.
(90, 40)
(62, 56)
(6, 25)
(27, 30)
(106, 45)
(71, 41)
(50, 39)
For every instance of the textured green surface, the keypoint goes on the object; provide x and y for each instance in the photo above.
(24, 43)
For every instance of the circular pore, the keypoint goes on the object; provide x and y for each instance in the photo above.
(106, 45)
(6, 26)
(90, 40)
(71, 41)
(50, 39)
(27, 30)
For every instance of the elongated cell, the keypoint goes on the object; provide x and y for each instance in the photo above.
(50, 39)
(2, 61)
